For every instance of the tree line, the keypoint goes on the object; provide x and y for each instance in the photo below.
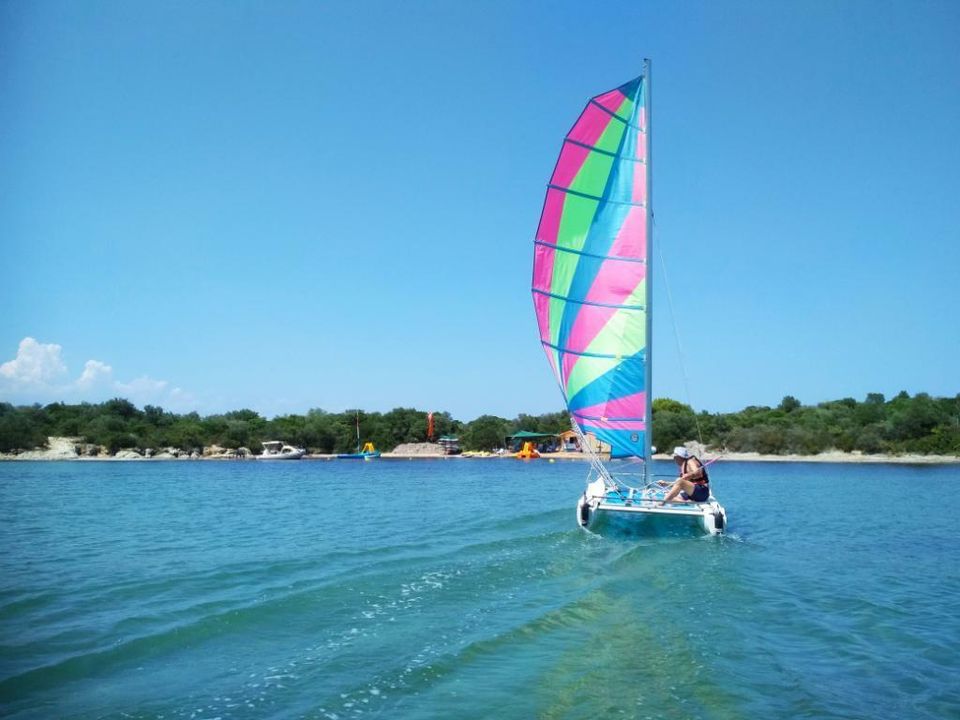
(904, 424)
(118, 424)
(917, 424)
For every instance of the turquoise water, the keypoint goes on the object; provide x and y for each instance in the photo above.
(463, 589)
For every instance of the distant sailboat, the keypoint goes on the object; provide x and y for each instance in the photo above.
(367, 452)
(592, 293)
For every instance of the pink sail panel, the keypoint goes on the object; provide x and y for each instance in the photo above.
(631, 240)
(591, 320)
(592, 124)
(569, 164)
(612, 100)
(627, 406)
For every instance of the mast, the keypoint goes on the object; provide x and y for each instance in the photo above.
(648, 156)
(358, 432)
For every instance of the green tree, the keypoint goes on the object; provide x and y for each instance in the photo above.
(670, 405)
(673, 424)
(789, 404)
(121, 407)
(19, 430)
(487, 432)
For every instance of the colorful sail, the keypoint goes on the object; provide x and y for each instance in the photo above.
(590, 277)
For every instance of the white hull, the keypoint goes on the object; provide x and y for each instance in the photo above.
(294, 455)
(640, 511)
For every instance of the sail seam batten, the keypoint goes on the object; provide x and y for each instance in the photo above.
(608, 153)
(592, 255)
(607, 418)
(612, 114)
(587, 302)
(602, 356)
(598, 198)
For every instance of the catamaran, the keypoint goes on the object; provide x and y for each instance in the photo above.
(367, 452)
(592, 296)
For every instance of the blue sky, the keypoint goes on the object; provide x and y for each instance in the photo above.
(293, 205)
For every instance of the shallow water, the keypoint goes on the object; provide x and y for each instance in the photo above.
(463, 588)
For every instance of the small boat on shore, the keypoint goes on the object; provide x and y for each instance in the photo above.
(278, 450)
(367, 453)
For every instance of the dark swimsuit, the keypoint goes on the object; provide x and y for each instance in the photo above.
(701, 487)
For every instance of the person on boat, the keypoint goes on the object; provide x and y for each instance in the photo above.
(693, 483)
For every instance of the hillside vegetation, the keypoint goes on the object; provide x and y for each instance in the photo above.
(904, 424)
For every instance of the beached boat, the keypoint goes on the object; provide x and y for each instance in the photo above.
(592, 292)
(278, 450)
(367, 452)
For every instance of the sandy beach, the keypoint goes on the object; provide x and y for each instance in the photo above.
(63, 449)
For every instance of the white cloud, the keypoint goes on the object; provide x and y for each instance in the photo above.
(144, 391)
(39, 374)
(35, 364)
(95, 374)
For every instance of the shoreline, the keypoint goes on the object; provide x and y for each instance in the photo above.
(835, 456)
(827, 457)
(60, 449)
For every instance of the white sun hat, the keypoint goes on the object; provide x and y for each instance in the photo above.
(681, 452)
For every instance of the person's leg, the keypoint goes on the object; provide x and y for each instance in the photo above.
(684, 485)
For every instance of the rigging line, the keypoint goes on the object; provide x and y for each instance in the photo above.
(595, 463)
(618, 476)
(708, 463)
(676, 333)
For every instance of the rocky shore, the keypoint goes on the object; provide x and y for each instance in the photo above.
(71, 448)
(831, 456)
(66, 448)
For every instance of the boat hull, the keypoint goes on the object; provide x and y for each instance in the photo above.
(615, 513)
(283, 456)
(359, 456)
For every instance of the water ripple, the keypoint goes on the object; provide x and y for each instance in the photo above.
(424, 590)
